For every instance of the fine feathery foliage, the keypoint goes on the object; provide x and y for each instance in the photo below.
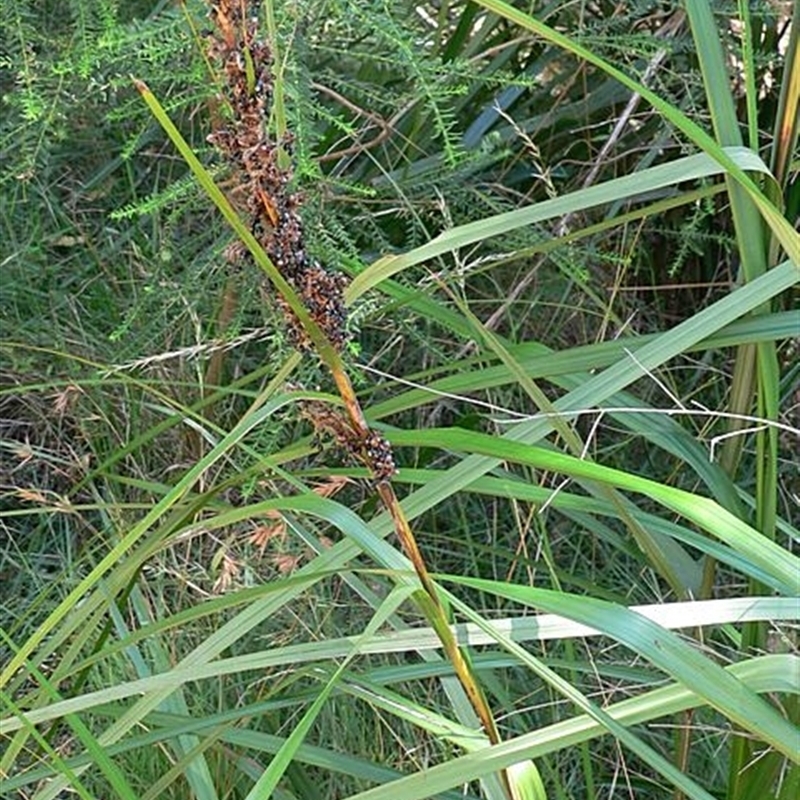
(399, 400)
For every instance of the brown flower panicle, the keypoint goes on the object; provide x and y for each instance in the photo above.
(263, 178)
(244, 140)
(369, 447)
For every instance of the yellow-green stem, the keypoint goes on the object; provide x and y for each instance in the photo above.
(429, 601)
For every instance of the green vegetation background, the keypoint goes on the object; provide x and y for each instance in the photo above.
(587, 368)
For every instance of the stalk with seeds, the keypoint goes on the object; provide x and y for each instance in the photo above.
(310, 296)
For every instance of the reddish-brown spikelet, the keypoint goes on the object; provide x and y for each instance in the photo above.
(367, 447)
(246, 63)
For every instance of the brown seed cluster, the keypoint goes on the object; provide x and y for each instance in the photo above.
(377, 453)
(370, 447)
(246, 63)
